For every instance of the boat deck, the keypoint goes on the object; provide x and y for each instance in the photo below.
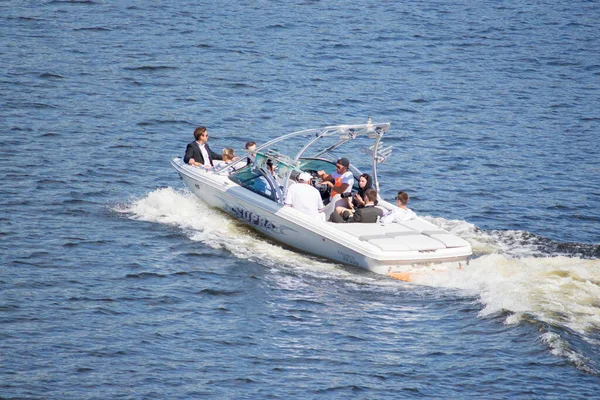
(416, 234)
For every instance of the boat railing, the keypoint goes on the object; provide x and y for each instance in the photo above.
(283, 166)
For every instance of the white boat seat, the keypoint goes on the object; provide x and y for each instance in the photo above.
(450, 240)
(387, 235)
(437, 232)
(330, 207)
(409, 235)
(396, 234)
(408, 242)
(366, 238)
(387, 244)
(361, 229)
(420, 225)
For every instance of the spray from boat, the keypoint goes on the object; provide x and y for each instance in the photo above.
(514, 274)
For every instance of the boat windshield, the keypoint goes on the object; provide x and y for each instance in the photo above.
(316, 164)
(255, 181)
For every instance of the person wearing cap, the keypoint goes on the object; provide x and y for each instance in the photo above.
(341, 180)
(402, 213)
(305, 198)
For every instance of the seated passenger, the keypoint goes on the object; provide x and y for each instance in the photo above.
(271, 167)
(368, 214)
(228, 155)
(250, 148)
(197, 153)
(304, 197)
(402, 213)
(364, 183)
(358, 200)
(341, 180)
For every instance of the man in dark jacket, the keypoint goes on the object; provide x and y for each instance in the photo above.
(197, 153)
(367, 214)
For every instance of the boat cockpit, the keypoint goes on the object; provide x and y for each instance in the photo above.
(268, 179)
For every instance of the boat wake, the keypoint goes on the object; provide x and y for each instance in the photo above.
(219, 231)
(521, 276)
(529, 278)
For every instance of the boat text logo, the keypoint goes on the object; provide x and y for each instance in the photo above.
(256, 220)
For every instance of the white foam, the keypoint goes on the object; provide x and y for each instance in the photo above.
(507, 275)
(217, 230)
(559, 347)
(558, 290)
(482, 242)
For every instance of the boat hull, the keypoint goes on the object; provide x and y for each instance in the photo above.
(301, 232)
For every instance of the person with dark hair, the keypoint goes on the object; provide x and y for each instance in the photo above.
(359, 199)
(402, 213)
(368, 214)
(364, 183)
(341, 180)
(270, 167)
(197, 153)
(250, 148)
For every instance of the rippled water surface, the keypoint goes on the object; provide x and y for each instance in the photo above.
(116, 282)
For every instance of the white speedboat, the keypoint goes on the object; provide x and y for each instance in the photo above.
(249, 191)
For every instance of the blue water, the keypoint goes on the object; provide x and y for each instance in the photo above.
(115, 282)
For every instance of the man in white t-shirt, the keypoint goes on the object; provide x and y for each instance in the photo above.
(305, 198)
(342, 180)
(402, 213)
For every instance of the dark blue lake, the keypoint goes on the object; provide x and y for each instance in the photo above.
(116, 282)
